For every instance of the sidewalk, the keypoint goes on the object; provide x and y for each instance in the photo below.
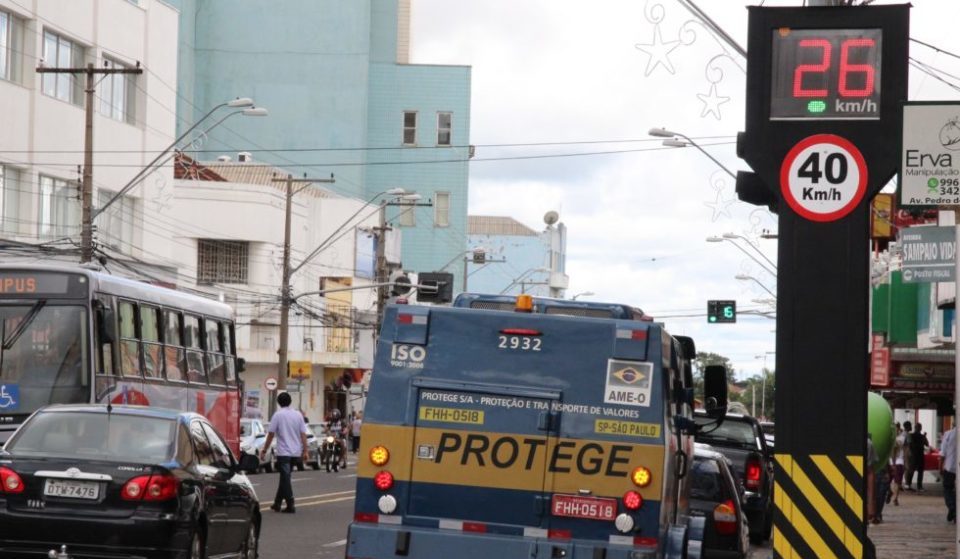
(918, 528)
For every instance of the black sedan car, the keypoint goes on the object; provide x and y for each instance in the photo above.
(124, 481)
(715, 494)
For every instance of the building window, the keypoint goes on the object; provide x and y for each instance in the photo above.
(444, 125)
(11, 49)
(115, 224)
(116, 93)
(409, 128)
(10, 187)
(407, 216)
(441, 209)
(221, 261)
(59, 208)
(62, 53)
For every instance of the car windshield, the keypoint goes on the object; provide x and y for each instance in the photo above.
(708, 483)
(729, 432)
(43, 356)
(113, 437)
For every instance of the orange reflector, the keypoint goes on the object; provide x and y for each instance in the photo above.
(640, 477)
(383, 480)
(632, 500)
(379, 455)
(524, 303)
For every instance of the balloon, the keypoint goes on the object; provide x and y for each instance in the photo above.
(880, 427)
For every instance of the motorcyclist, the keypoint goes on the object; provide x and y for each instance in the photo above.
(337, 427)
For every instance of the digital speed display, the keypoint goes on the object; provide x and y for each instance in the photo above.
(825, 74)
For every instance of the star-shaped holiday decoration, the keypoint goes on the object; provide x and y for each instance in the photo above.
(720, 206)
(712, 102)
(659, 52)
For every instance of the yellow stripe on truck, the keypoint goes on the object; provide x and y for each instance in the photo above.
(512, 461)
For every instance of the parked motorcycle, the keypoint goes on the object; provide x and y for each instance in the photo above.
(331, 453)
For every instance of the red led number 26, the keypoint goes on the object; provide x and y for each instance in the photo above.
(845, 69)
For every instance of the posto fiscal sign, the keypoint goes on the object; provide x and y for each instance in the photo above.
(823, 177)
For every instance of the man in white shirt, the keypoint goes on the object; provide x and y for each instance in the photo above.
(948, 470)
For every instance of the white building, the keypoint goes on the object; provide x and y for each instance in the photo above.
(236, 251)
(41, 140)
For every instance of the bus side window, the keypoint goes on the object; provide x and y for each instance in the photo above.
(214, 352)
(129, 346)
(173, 352)
(150, 335)
(229, 359)
(104, 346)
(191, 339)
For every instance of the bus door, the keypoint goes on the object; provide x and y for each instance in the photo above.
(481, 453)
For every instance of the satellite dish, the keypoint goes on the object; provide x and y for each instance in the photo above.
(551, 217)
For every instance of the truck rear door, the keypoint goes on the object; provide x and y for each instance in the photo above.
(480, 453)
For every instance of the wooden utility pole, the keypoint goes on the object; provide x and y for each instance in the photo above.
(86, 188)
(285, 298)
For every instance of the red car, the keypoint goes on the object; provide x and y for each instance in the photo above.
(931, 460)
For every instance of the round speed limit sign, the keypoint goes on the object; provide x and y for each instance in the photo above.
(823, 177)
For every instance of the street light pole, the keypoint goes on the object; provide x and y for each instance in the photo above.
(714, 239)
(745, 277)
(751, 245)
(673, 142)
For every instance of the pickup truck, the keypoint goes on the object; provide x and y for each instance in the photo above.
(740, 438)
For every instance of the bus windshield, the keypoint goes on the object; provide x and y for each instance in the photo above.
(43, 356)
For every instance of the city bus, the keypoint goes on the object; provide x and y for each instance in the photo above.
(72, 335)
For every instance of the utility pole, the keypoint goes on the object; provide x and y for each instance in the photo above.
(285, 285)
(382, 273)
(86, 188)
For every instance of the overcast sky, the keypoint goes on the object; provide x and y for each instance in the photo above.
(572, 71)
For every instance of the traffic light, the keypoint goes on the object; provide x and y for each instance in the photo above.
(435, 287)
(721, 311)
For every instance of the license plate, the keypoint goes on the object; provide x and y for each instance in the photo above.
(576, 506)
(71, 489)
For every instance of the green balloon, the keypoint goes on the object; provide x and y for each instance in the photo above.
(880, 426)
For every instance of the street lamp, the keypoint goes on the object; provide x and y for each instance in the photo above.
(745, 277)
(238, 103)
(583, 294)
(715, 239)
(523, 276)
(672, 141)
(753, 246)
(763, 383)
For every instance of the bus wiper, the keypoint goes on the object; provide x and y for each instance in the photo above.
(24, 324)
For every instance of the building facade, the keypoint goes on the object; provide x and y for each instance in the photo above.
(43, 133)
(515, 258)
(343, 99)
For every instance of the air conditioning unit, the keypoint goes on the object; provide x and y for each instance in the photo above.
(245, 157)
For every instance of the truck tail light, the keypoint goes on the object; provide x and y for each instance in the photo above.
(632, 500)
(751, 475)
(379, 455)
(725, 518)
(157, 487)
(640, 476)
(383, 480)
(10, 481)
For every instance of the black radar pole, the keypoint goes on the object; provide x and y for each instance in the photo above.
(825, 88)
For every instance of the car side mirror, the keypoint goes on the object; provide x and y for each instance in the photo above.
(248, 463)
(715, 391)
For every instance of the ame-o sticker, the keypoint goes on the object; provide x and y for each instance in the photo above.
(628, 383)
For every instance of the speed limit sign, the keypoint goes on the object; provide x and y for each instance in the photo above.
(823, 177)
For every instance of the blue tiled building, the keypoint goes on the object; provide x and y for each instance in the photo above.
(517, 259)
(343, 99)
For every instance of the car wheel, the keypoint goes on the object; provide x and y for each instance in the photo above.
(197, 546)
(300, 467)
(251, 547)
(315, 465)
(268, 467)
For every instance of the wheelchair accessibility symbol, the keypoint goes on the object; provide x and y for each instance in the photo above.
(9, 396)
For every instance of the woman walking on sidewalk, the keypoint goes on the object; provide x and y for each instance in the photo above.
(898, 466)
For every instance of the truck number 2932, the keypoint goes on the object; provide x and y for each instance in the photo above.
(524, 343)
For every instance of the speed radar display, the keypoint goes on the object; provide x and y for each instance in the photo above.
(719, 312)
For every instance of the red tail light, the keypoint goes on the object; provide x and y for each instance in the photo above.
(751, 476)
(155, 487)
(10, 481)
(725, 518)
(383, 480)
(520, 332)
(632, 500)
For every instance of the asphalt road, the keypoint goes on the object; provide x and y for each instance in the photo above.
(324, 508)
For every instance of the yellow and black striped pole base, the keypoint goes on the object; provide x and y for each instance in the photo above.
(819, 503)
